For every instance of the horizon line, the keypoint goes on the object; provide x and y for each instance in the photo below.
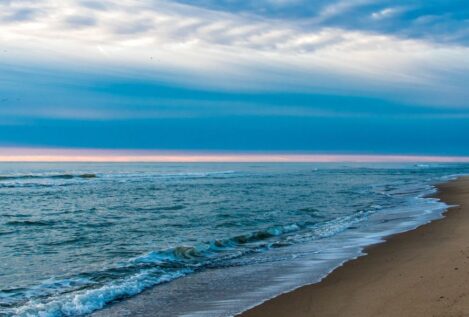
(55, 155)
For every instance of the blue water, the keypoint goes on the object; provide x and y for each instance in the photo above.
(75, 238)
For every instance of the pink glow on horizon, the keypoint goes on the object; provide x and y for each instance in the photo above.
(92, 155)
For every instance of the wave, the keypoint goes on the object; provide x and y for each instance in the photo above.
(131, 277)
(85, 302)
(423, 165)
(7, 179)
(40, 223)
(170, 175)
(156, 267)
(199, 174)
(47, 176)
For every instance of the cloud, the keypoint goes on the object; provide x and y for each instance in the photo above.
(95, 5)
(340, 8)
(34, 94)
(77, 21)
(384, 13)
(20, 15)
(363, 15)
(244, 46)
(232, 74)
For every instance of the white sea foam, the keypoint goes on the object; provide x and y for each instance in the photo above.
(85, 302)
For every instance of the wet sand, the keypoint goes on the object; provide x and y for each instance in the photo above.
(424, 272)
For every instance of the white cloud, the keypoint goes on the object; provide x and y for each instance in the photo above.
(385, 13)
(340, 7)
(186, 44)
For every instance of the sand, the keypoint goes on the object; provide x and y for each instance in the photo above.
(424, 272)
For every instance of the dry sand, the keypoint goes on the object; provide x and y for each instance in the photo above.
(424, 272)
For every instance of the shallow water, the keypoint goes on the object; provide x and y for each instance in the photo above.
(207, 239)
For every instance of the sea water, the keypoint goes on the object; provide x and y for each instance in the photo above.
(193, 239)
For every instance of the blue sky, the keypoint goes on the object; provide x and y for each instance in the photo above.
(351, 76)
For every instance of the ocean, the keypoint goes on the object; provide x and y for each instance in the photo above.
(193, 239)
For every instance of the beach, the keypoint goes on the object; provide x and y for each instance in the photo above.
(423, 272)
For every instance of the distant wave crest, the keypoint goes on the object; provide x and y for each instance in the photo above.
(46, 176)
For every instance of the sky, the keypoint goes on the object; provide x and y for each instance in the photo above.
(354, 77)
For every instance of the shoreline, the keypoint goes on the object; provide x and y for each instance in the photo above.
(421, 272)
